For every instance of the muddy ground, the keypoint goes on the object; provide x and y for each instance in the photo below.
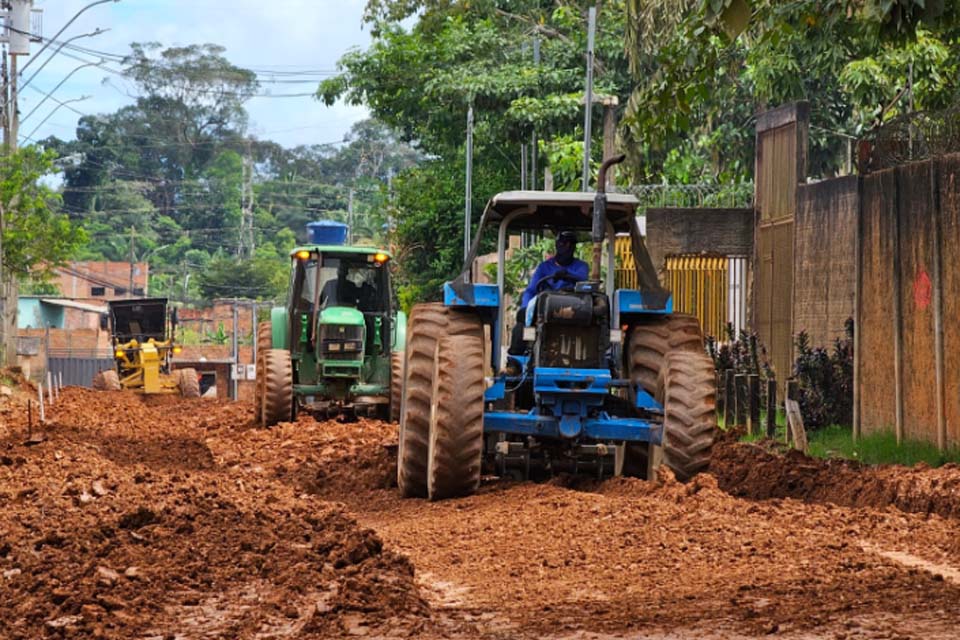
(167, 519)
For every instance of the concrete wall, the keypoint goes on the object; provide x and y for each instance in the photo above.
(715, 231)
(909, 355)
(825, 241)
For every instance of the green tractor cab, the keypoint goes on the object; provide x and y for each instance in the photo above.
(335, 348)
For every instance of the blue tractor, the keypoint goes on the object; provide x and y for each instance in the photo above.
(612, 382)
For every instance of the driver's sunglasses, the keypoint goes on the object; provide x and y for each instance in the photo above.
(566, 242)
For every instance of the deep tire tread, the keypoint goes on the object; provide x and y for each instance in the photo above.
(653, 339)
(277, 387)
(188, 383)
(427, 324)
(687, 388)
(456, 421)
(396, 384)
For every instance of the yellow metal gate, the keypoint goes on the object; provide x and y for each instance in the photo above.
(701, 287)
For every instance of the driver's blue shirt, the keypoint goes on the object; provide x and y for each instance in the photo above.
(577, 269)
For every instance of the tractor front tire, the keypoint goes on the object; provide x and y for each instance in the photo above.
(396, 384)
(688, 391)
(455, 450)
(275, 387)
(107, 380)
(189, 383)
(428, 323)
(650, 342)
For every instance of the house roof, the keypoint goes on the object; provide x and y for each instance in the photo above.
(73, 304)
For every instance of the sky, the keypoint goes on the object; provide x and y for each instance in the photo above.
(266, 35)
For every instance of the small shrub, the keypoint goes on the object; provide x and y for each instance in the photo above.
(825, 380)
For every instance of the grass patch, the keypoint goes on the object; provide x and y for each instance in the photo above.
(877, 448)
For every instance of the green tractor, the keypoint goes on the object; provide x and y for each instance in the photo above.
(336, 348)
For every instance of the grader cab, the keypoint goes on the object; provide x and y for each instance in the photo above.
(142, 336)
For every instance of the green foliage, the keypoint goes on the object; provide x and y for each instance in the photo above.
(36, 237)
(704, 70)
(428, 205)
(38, 286)
(826, 380)
(421, 80)
(167, 174)
(262, 278)
(220, 336)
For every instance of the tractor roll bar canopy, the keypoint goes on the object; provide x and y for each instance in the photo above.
(561, 209)
(564, 209)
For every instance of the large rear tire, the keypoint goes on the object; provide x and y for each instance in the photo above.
(428, 323)
(688, 391)
(396, 384)
(189, 383)
(275, 380)
(455, 449)
(107, 380)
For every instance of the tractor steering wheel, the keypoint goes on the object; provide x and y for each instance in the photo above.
(568, 278)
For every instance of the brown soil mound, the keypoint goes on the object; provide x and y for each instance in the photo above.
(125, 522)
(761, 472)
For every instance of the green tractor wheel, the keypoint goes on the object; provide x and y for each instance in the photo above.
(275, 387)
(396, 384)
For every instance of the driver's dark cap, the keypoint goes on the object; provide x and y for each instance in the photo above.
(567, 236)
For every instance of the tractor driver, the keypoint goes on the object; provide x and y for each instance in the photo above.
(556, 272)
(345, 291)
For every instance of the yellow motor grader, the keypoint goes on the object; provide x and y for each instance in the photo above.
(142, 335)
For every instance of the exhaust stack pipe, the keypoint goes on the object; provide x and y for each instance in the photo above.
(600, 214)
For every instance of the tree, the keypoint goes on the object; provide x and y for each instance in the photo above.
(703, 74)
(36, 238)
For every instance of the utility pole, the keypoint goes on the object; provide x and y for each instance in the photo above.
(133, 260)
(234, 383)
(523, 166)
(610, 135)
(468, 189)
(350, 217)
(588, 97)
(18, 39)
(533, 134)
(246, 246)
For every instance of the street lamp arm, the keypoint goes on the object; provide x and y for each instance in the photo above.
(97, 32)
(64, 28)
(29, 136)
(49, 93)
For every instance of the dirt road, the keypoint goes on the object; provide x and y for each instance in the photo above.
(165, 518)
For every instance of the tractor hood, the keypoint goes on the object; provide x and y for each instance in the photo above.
(341, 315)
